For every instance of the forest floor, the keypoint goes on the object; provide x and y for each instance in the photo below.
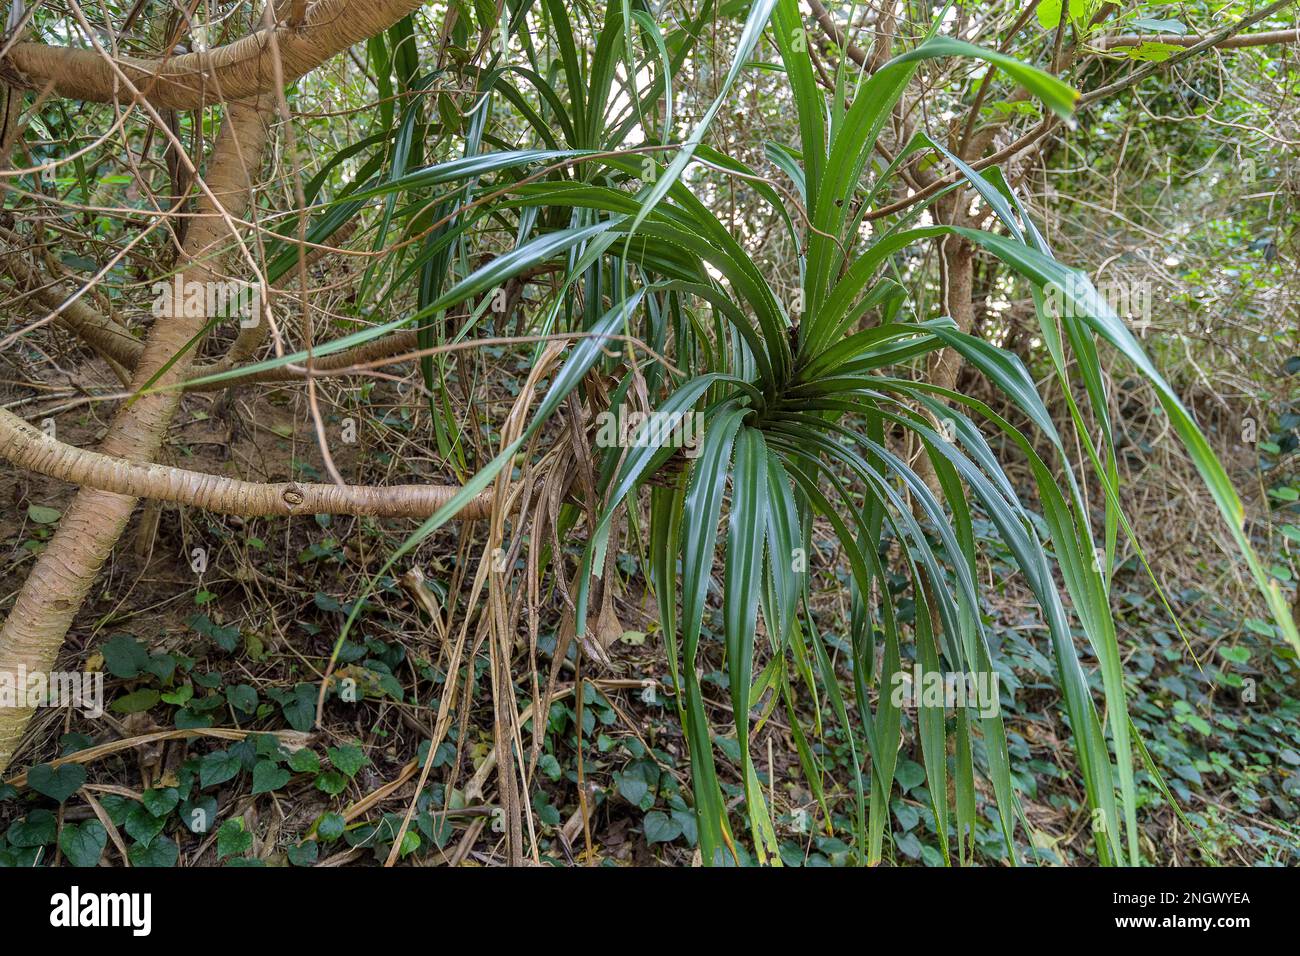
(202, 621)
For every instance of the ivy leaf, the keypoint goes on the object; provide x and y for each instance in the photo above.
(909, 774)
(161, 666)
(43, 515)
(327, 603)
(1236, 655)
(268, 746)
(632, 789)
(909, 846)
(160, 802)
(348, 759)
(410, 843)
(906, 814)
(304, 761)
(690, 827)
(124, 656)
(233, 839)
(438, 828)
(179, 697)
(162, 852)
(83, 845)
(36, 829)
(305, 853)
(217, 767)
(242, 697)
(137, 702)
(142, 825)
(57, 783)
(187, 719)
(330, 827)
(300, 708)
(117, 807)
(1262, 628)
(227, 638)
(199, 814)
(268, 777)
(331, 783)
(70, 744)
(661, 828)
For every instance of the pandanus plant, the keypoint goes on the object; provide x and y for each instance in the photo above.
(803, 408)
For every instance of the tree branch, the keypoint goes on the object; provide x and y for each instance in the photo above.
(1266, 38)
(237, 70)
(63, 575)
(100, 331)
(832, 30)
(110, 339)
(1213, 39)
(30, 448)
(1050, 122)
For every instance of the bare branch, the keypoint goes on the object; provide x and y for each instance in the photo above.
(1267, 38)
(237, 70)
(28, 447)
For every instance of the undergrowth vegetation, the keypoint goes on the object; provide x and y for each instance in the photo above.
(793, 486)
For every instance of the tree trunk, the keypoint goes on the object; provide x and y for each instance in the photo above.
(958, 272)
(958, 303)
(63, 575)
